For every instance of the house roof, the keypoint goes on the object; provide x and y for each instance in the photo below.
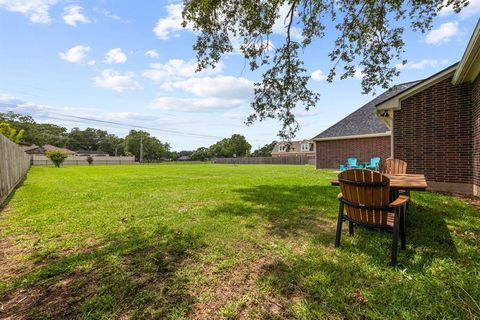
(49, 147)
(28, 148)
(392, 102)
(469, 67)
(363, 121)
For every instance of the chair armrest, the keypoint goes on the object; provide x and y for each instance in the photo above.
(340, 196)
(400, 201)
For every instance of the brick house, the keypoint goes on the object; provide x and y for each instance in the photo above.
(294, 148)
(361, 134)
(435, 124)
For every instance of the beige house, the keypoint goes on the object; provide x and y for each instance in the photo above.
(294, 148)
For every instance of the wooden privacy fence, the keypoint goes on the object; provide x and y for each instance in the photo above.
(14, 164)
(299, 160)
(81, 160)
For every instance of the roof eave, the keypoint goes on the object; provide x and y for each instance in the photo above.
(469, 67)
(394, 102)
(358, 136)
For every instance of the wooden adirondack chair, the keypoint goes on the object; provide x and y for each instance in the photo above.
(395, 166)
(365, 201)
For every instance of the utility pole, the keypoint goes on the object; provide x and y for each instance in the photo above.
(141, 149)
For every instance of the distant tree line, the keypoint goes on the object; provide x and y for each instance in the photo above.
(235, 146)
(25, 130)
(89, 139)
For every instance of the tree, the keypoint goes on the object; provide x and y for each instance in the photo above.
(57, 157)
(201, 154)
(265, 151)
(36, 133)
(368, 40)
(11, 133)
(235, 145)
(153, 149)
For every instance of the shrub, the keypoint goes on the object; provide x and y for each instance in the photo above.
(89, 160)
(57, 157)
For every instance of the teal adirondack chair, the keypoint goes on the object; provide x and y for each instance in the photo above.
(373, 164)
(352, 163)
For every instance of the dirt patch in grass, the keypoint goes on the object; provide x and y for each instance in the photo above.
(13, 252)
(235, 295)
(53, 301)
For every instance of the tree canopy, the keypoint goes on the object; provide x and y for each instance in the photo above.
(153, 149)
(265, 151)
(236, 145)
(368, 38)
(11, 133)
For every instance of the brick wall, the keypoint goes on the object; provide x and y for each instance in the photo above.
(433, 133)
(330, 154)
(476, 131)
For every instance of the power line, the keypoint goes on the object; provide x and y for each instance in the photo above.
(128, 126)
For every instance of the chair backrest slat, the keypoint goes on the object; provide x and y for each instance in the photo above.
(366, 194)
(393, 166)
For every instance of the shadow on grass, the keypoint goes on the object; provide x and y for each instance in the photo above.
(128, 274)
(293, 211)
(324, 280)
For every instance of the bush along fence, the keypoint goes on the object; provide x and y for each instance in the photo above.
(299, 160)
(81, 160)
(14, 164)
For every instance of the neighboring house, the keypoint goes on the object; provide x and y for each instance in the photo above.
(361, 134)
(184, 158)
(436, 124)
(90, 153)
(33, 149)
(49, 147)
(294, 148)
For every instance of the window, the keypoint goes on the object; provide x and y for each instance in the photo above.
(305, 147)
(282, 148)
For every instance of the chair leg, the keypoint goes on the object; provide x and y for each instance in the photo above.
(402, 229)
(407, 192)
(351, 230)
(393, 259)
(339, 225)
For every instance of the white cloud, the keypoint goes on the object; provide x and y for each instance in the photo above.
(472, 9)
(114, 16)
(225, 87)
(152, 54)
(209, 93)
(117, 81)
(115, 56)
(280, 25)
(91, 62)
(172, 23)
(443, 34)
(318, 75)
(35, 10)
(73, 15)
(177, 69)
(75, 54)
(432, 63)
(195, 104)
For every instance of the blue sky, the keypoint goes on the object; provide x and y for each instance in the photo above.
(128, 63)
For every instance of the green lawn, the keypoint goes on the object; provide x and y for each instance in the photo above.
(220, 241)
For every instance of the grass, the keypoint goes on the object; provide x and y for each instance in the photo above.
(222, 241)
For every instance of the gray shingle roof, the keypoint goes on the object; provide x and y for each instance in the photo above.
(363, 120)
